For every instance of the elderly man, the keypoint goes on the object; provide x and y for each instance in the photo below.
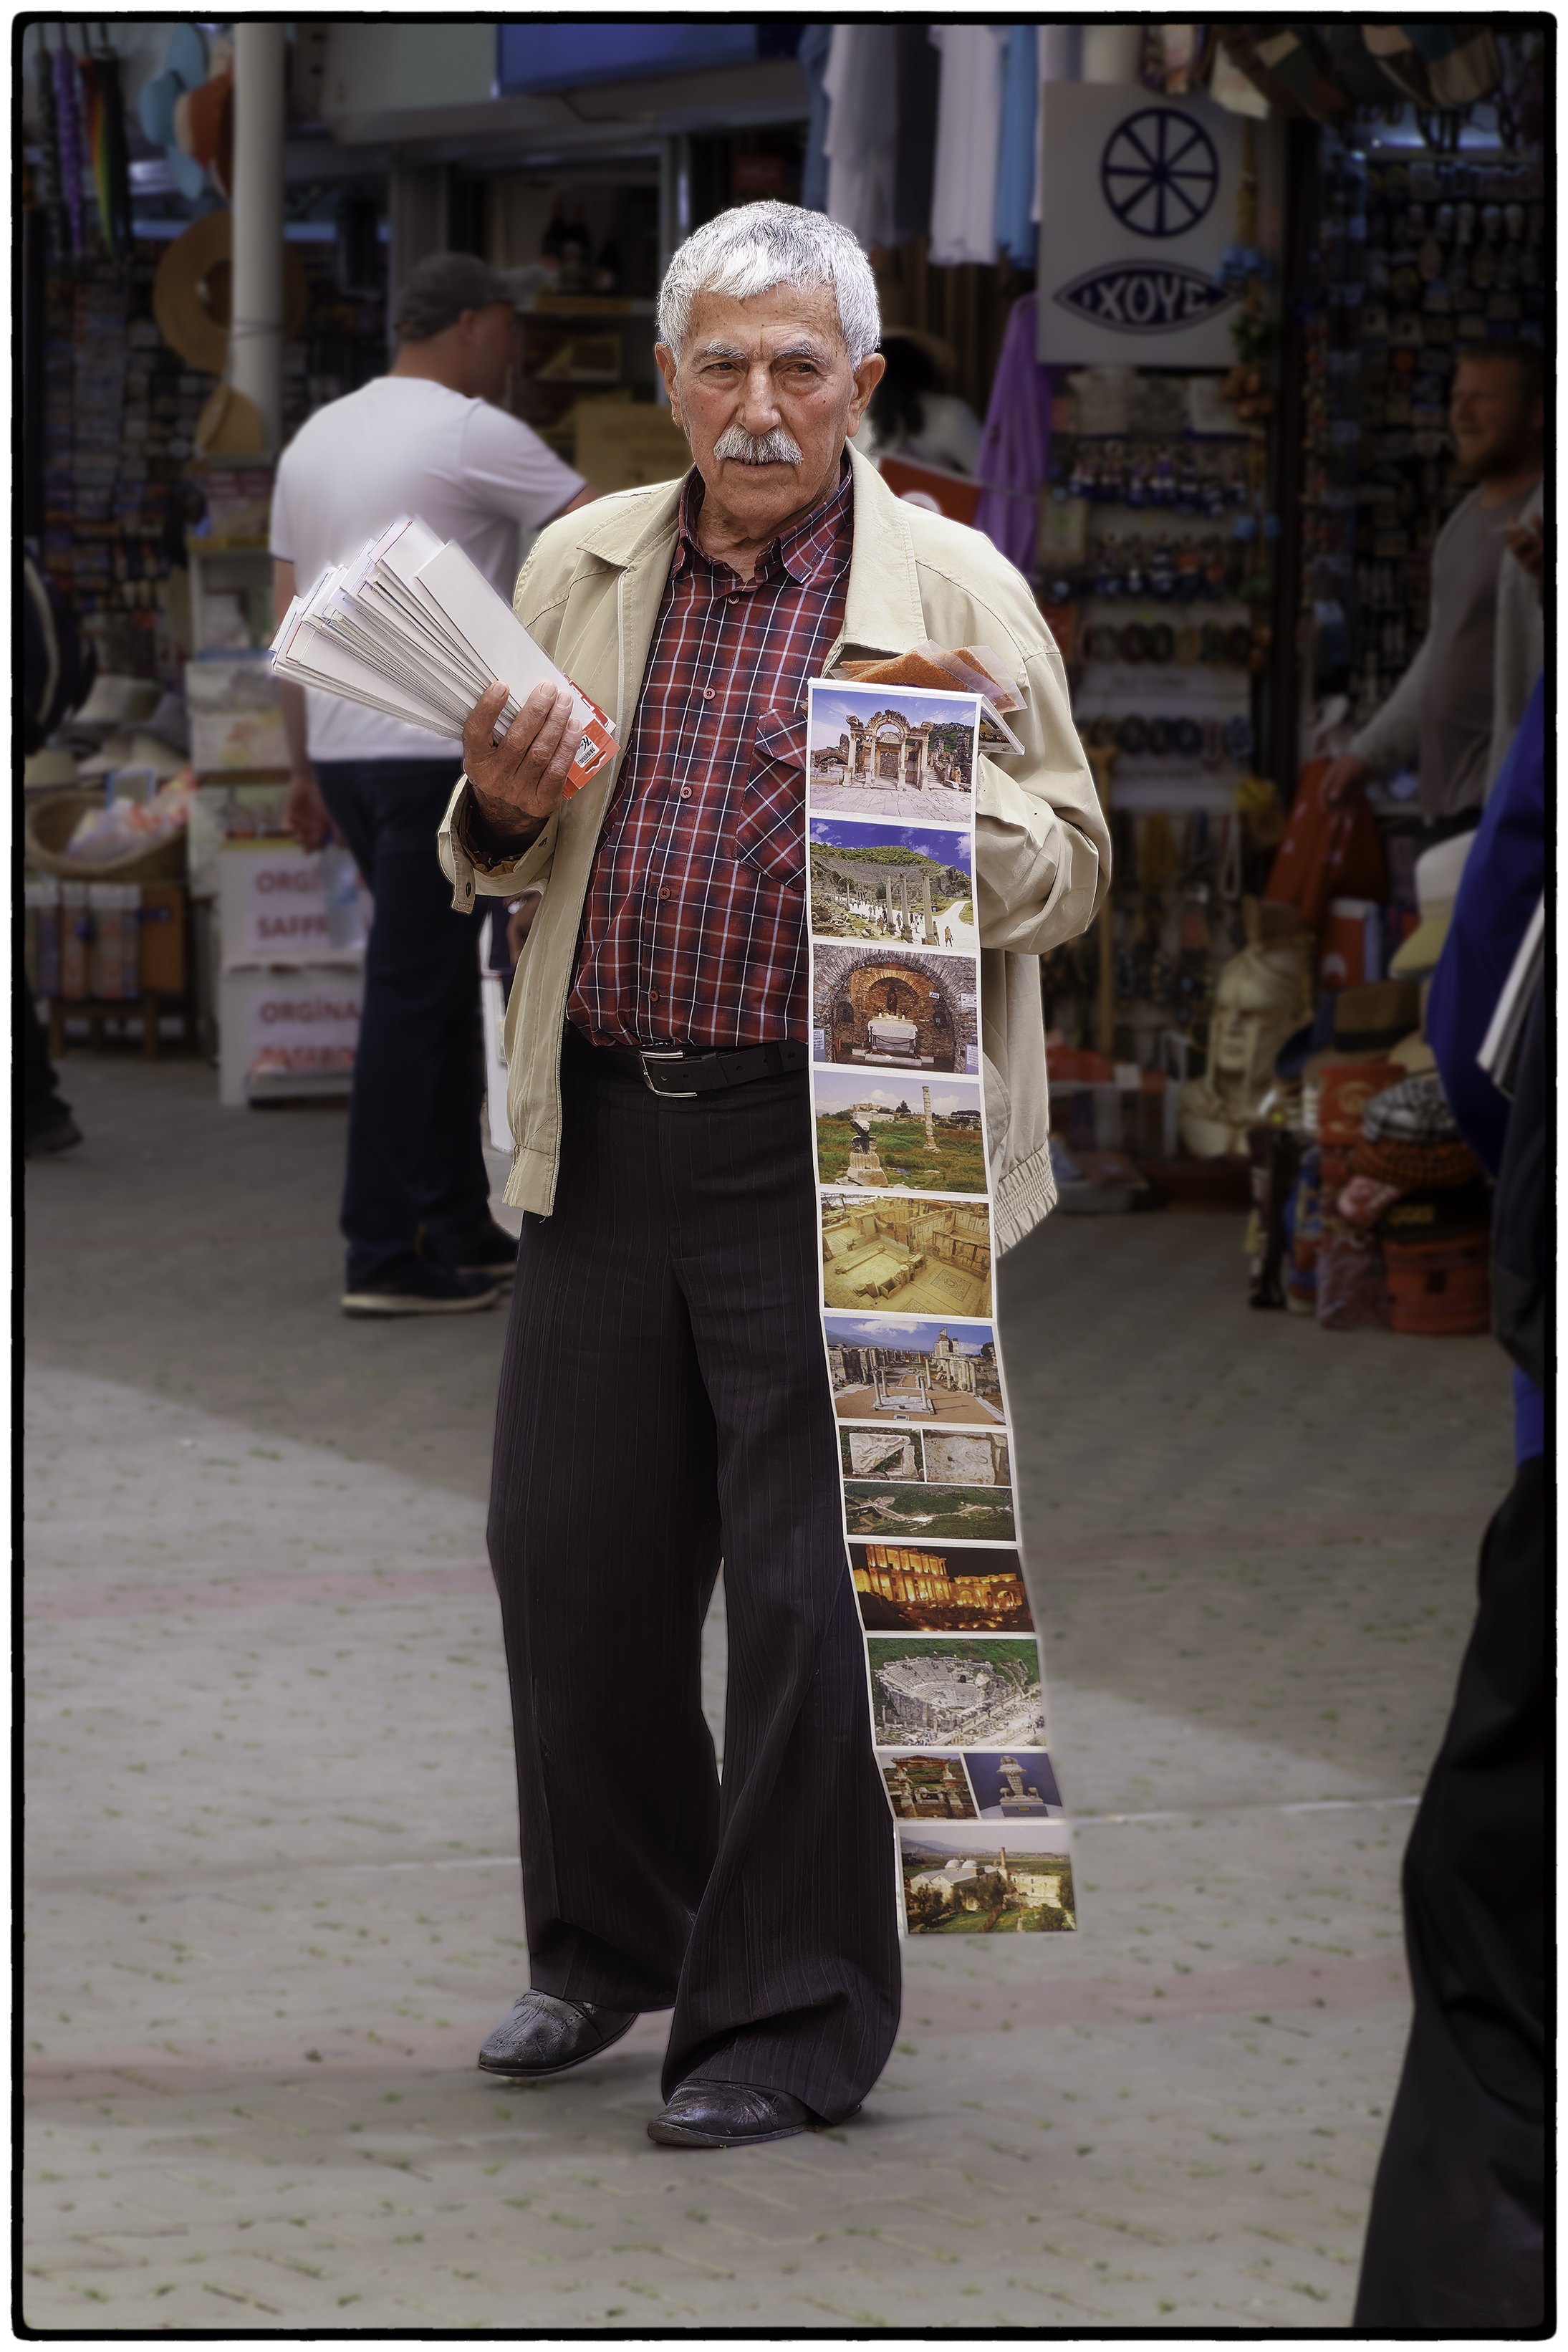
(663, 1399)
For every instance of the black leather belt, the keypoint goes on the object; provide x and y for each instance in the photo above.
(678, 1072)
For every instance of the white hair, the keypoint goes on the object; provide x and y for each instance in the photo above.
(755, 247)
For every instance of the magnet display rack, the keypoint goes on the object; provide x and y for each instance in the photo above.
(1417, 259)
(1154, 566)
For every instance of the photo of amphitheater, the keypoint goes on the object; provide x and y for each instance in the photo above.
(893, 752)
(917, 1256)
(942, 1692)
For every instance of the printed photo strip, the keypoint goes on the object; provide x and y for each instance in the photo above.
(905, 1233)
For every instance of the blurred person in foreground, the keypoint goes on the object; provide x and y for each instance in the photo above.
(1456, 2241)
(425, 439)
(1456, 710)
(58, 666)
(664, 1400)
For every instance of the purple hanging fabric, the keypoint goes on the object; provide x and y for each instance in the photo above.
(1015, 455)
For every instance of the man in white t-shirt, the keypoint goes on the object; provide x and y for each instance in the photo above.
(427, 440)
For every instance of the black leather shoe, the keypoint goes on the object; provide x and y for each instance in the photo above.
(542, 2035)
(729, 2114)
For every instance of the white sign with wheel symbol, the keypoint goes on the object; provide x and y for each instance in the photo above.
(1139, 200)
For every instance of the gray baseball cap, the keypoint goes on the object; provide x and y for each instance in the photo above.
(442, 287)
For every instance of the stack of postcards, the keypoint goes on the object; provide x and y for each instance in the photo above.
(413, 628)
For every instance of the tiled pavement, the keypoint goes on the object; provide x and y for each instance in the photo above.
(271, 1885)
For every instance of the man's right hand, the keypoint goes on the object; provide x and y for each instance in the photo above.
(521, 781)
(1343, 779)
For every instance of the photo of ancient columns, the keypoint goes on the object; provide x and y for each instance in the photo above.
(898, 752)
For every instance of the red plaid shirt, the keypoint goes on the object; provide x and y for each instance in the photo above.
(694, 930)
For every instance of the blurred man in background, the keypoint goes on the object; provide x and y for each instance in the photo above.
(428, 439)
(1456, 710)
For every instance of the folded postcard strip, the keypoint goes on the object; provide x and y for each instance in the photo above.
(413, 628)
(927, 1463)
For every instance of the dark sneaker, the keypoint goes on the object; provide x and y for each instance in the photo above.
(53, 1131)
(419, 1288)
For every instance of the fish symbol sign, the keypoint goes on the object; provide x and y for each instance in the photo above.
(1143, 298)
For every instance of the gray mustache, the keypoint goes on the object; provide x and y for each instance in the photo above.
(775, 448)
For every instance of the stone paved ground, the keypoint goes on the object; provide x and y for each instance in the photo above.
(271, 1877)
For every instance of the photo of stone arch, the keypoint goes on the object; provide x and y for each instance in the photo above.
(895, 1009)
(910, 756)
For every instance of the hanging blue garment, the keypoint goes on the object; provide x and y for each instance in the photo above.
(1017, 234)
(811, 57)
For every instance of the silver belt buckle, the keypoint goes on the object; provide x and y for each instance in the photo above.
(671, 1093)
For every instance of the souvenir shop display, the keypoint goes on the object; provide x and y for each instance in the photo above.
(1418, 257)
(1153, 567)
(906, 1223)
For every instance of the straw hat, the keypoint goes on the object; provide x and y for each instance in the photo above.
(190, 292)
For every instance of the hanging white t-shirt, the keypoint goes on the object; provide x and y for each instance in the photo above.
(861, 85)
(402, 445)
(968, 142)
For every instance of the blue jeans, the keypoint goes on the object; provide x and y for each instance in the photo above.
(416, 1183)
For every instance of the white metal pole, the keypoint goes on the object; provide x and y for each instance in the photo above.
(255, 333)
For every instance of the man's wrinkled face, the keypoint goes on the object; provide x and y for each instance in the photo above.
(1496, 422)
(764, 391)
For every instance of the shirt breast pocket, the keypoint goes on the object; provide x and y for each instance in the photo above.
(769, 827)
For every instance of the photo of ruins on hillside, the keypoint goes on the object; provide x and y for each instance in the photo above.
(883, 1132)
(889, 1508)
(910, 883)
(966, 1879)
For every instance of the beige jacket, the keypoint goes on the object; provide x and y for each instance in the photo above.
(590, 593)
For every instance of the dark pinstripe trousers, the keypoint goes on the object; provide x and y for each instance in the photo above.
(664, 1405)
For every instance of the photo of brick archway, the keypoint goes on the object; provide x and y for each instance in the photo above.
(895, 1009)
